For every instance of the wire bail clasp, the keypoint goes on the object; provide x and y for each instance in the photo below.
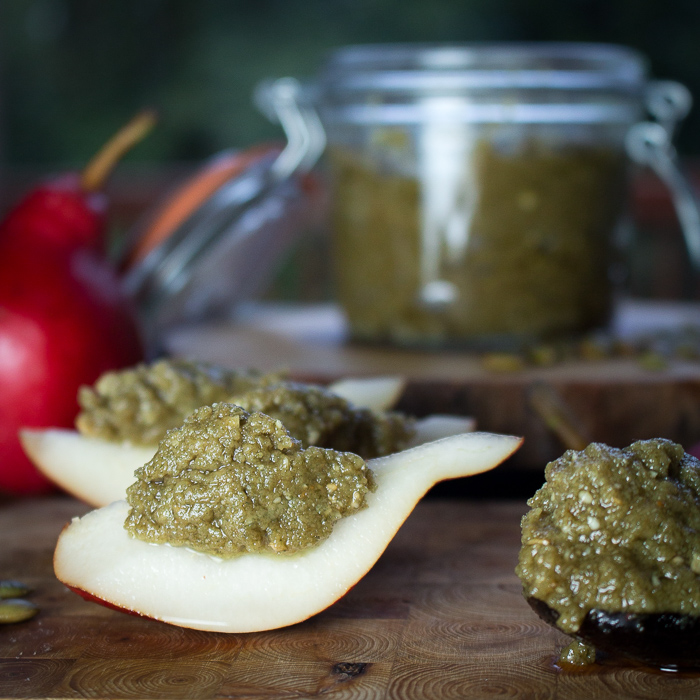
(284, 101)
(650, 143)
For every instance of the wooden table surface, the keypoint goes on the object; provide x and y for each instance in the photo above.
(440, 615)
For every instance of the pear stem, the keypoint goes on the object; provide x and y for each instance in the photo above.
(102, 163)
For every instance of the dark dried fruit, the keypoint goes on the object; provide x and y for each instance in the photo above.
(661, 640)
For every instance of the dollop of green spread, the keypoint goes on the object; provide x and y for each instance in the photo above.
(615, 530)
(228, 482)
(139, 404)
(318, 417)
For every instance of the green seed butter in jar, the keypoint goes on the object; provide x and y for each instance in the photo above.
(476, 188)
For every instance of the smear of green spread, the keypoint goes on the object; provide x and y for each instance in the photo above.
(229, 482)
(615, 530)
(577, 654)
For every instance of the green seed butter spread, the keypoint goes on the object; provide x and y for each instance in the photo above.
(318, 417)
(229, 482)
(139, 404)
(615, 530)
(532, 262)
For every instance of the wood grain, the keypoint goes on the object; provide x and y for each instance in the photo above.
(440, 615)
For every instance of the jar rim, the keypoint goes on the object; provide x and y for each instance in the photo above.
(506, 65)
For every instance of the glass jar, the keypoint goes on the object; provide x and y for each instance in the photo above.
(476, 188)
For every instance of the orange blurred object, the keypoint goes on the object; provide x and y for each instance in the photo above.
(189, 196)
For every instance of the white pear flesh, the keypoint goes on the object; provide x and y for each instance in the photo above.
(94, 470)
(439, 426)
(375, 393)
(255, 592)
(98, 471)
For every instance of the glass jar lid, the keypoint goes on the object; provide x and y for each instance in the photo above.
(513, 82)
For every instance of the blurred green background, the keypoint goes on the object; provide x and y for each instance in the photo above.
(73, 70)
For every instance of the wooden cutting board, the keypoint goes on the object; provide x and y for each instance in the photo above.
(440, 615)
(616, 400)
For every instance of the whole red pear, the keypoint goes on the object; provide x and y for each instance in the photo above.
(64, 318)
(59, 212)
(61, 326)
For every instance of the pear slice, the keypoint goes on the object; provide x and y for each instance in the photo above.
(96, 557)
(94, 470)
(99, 471)
(375, 393)
(439, 426)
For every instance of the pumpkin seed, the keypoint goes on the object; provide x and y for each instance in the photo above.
(13, 589)
(16, 610)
